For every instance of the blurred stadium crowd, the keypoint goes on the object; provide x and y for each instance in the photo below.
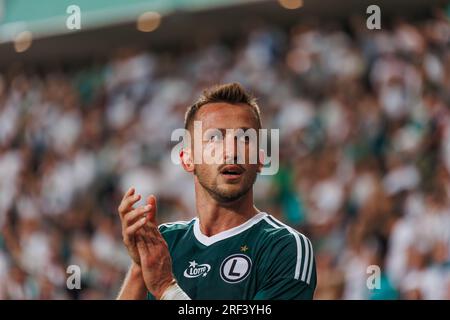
(364, 119)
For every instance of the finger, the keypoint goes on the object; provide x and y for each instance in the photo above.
(131, 230)
(127, 203)
(129, 192)
(151, 200)
(133, 215)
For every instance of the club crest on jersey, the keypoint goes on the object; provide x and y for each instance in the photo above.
(235, 268)
(196, 270)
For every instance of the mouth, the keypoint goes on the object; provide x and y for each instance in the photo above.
(231, 171)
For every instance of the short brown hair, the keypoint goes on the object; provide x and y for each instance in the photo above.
(232, 93)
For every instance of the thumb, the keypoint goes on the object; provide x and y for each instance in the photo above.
(151, 200)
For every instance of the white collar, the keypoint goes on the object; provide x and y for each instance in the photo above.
(227, 233)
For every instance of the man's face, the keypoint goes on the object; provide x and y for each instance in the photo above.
(227, 170)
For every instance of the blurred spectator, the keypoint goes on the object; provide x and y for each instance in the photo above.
(364, 123)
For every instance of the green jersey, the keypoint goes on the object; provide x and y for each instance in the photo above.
(260, 259)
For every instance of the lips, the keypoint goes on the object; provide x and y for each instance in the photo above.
(231, 173)
(231, 170)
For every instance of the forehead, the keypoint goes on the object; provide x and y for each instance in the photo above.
(222, 115)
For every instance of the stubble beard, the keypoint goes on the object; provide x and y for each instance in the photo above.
(225, 196)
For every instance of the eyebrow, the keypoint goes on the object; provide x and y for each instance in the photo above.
(224, 129)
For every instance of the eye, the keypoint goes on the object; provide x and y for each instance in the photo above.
(214, 137)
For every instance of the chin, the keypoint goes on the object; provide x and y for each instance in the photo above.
(230, 193)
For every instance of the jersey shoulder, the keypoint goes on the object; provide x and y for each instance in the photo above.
(273, 230)
(287, 250)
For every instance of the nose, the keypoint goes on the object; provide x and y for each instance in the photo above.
(230, 152)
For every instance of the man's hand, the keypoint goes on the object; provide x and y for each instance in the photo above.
(132, 220)
(154, 255)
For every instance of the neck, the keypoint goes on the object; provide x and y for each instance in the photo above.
(215, 217)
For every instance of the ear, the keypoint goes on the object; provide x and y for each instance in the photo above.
(187, 160)
(261, 157)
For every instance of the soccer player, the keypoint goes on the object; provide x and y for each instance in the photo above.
(231, 250)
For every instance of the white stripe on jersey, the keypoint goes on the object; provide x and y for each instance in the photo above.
(305, 263)
(310, 264)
